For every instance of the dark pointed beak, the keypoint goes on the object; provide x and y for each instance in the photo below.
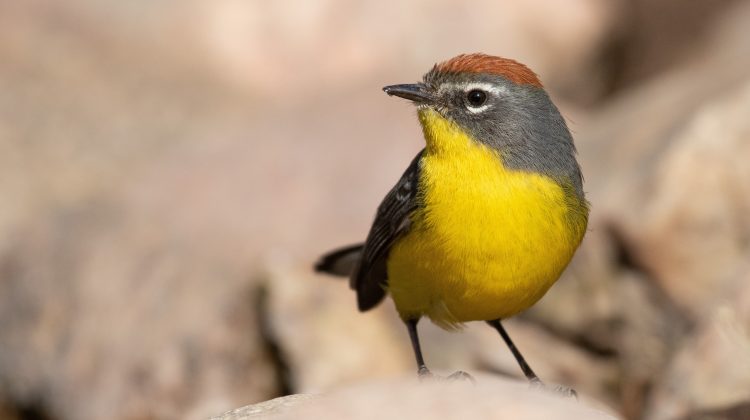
(417, 92)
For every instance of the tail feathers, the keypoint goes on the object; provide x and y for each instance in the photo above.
(340, 262)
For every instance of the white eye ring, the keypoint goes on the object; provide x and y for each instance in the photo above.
(477, 110)
(489, 89)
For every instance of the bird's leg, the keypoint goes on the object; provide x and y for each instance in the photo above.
(530, 375)
(527, 371)
(422, 370)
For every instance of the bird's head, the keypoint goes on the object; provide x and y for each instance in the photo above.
(499, 103)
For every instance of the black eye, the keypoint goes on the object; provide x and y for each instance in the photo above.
(476, 97)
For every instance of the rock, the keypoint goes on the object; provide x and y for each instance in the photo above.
(615, 323)
(121, 295)
(620, 141)
(648, 330)
(323, 339)
(110, 322)
(268, 409)
(655, 36)
(711, 371)
(490, 398)
(694, 206)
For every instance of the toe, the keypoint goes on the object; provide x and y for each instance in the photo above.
(565, 391)
(560, 390)
(461, 376)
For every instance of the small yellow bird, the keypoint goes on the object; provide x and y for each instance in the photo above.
(486, 217)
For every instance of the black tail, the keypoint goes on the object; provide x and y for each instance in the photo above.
(340, 262)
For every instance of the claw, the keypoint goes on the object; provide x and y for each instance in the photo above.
(560, 390)
(565, 391)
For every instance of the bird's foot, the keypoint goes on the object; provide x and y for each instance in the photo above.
(560, 390)
(425, 375)
(460, 375)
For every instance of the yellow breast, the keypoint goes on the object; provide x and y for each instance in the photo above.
(488, 242)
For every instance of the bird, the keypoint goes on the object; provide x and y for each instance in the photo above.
(487, 215)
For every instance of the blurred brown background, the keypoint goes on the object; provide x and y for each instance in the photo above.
(170, 170)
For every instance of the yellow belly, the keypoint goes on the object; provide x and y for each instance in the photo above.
(488, 242)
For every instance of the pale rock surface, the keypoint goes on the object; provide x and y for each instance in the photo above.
(490, 398)
(710, 373)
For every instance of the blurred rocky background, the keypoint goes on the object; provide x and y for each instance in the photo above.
(170, 170)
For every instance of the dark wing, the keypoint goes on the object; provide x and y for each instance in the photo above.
(391, 221)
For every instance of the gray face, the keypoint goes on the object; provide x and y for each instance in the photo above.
(520, 121)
